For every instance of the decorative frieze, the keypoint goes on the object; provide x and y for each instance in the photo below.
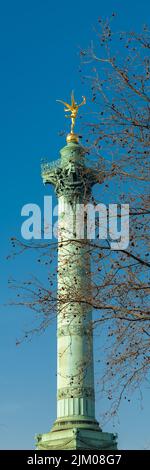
(75, 392)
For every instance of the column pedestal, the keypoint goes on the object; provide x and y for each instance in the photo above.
(77, 433)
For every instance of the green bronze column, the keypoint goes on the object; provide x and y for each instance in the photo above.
(75, 383)
(75, 426)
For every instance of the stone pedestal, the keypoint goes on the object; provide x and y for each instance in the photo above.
(76, 434)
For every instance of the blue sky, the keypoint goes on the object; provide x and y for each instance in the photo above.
(39, 53)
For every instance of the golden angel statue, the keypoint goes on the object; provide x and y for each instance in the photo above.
(73, 109)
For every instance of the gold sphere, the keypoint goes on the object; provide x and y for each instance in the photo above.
(72, 138)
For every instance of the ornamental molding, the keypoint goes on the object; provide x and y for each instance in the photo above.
(69, 179)
(75, 392)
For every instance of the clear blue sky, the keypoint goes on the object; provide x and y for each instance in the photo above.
(39, 45)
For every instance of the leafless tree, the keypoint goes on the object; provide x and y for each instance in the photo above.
(115, 70)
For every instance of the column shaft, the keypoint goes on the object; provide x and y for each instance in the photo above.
(75, 383)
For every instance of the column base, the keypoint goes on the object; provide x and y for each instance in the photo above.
(78, 433)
